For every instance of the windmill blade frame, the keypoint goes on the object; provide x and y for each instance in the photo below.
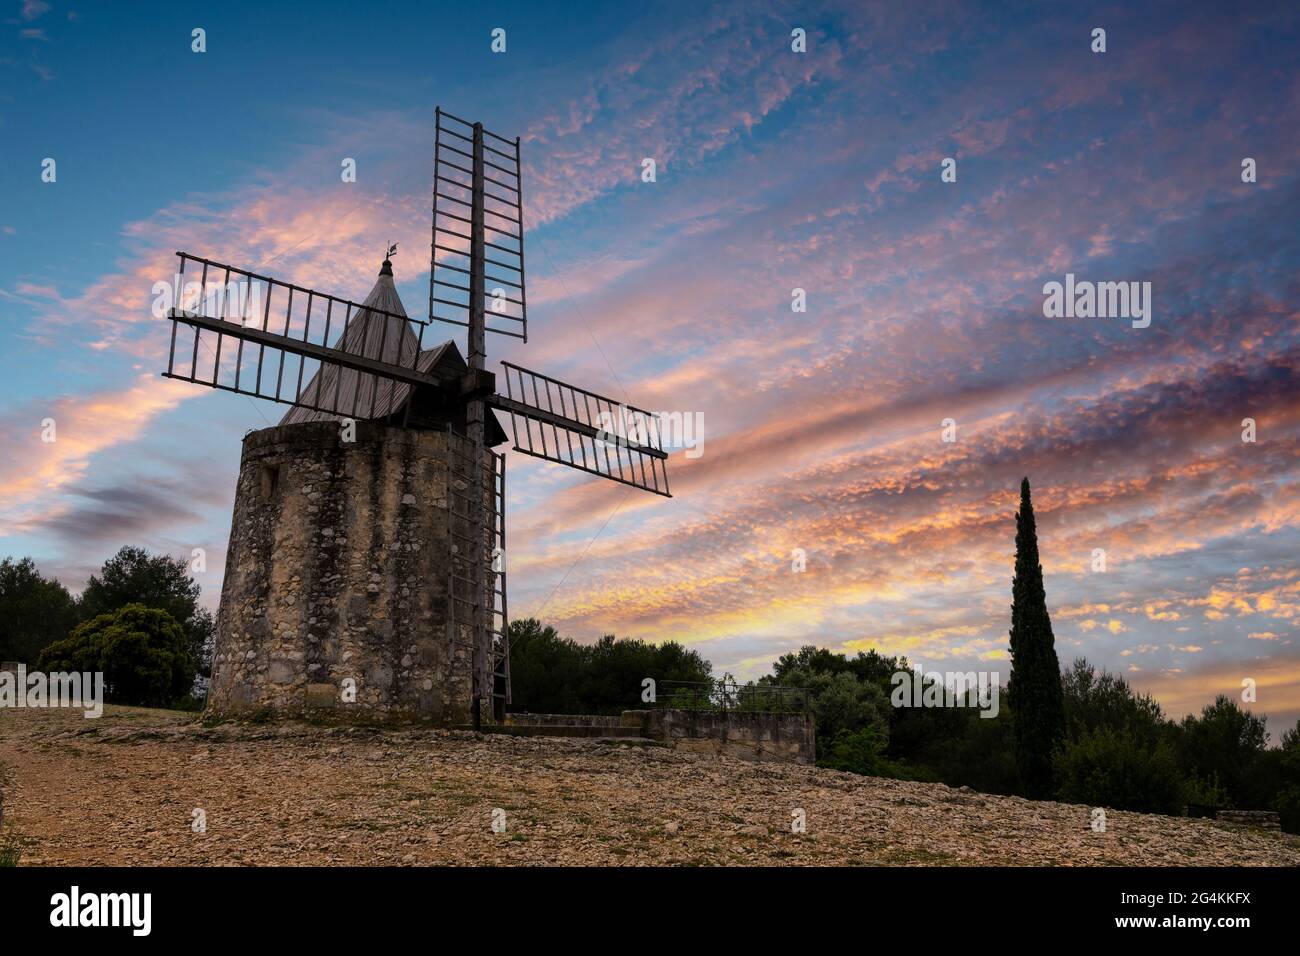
(599, 425)
(379, 368)
(468, 232)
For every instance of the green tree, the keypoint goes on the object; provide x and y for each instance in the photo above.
(142, 652)
(982, 757)
(795, 670)
(1120, 770)
(1225, 746)
(858, 751)
(1034, 687)
(1119, 747)
(843, 702)
(550, 674)
(922, 742)
(134, 576)
(933, 735)
(1287, 801)
(34, 611)
(1105, 702)
(543, 669)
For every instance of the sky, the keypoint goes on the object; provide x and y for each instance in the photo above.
(776, 170)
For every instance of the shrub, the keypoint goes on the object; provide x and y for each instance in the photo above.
(1225, 745)
(981, 757)
(1118, 770)
(11, 848)
(1287, 801)
(134, 576)
(844, 702)
(142, 651)
(1205, 795)
(858, 751)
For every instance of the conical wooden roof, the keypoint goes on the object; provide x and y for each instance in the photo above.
(375, 335)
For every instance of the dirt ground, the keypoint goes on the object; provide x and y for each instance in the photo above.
(124, 789)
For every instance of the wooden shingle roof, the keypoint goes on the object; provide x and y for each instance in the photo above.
(375, 332)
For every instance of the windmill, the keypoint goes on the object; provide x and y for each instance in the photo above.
(342, 362)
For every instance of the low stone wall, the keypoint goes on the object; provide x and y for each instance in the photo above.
(563, 720)
(789, 738)
(1262, 819)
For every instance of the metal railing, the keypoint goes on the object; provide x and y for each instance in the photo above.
(728, 695)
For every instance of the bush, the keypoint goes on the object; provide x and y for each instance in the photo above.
(1225, 745)
(134, 576)
(1204, 795)
(1287, 801)
(11, 848)
(142, 651)
(844, 702)
(980, 757)
(858, 751)
(1118, 770)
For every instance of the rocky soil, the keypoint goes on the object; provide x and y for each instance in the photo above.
(122, 790)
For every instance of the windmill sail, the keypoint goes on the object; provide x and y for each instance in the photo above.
(497, 192)
(329, 357)
(572, 426)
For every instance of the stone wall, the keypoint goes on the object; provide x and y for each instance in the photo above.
(337, 569)
(563, 720)
(790, 738)
(1261, 819)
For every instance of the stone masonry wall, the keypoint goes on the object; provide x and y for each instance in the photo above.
(790, 738)
(563, 720)
(1262, 819)
(337, 569)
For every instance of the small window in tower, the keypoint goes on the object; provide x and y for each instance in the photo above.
(270, 480)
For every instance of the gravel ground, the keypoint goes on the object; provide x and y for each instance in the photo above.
(122, 790)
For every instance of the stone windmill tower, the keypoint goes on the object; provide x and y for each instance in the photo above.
(366, 578)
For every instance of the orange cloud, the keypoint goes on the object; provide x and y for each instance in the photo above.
(34, 469)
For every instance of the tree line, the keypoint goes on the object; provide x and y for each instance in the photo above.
(1118, 749)
(550, 674)
(1077, 734)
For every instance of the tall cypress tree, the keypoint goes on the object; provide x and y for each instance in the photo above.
(1034, 687)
